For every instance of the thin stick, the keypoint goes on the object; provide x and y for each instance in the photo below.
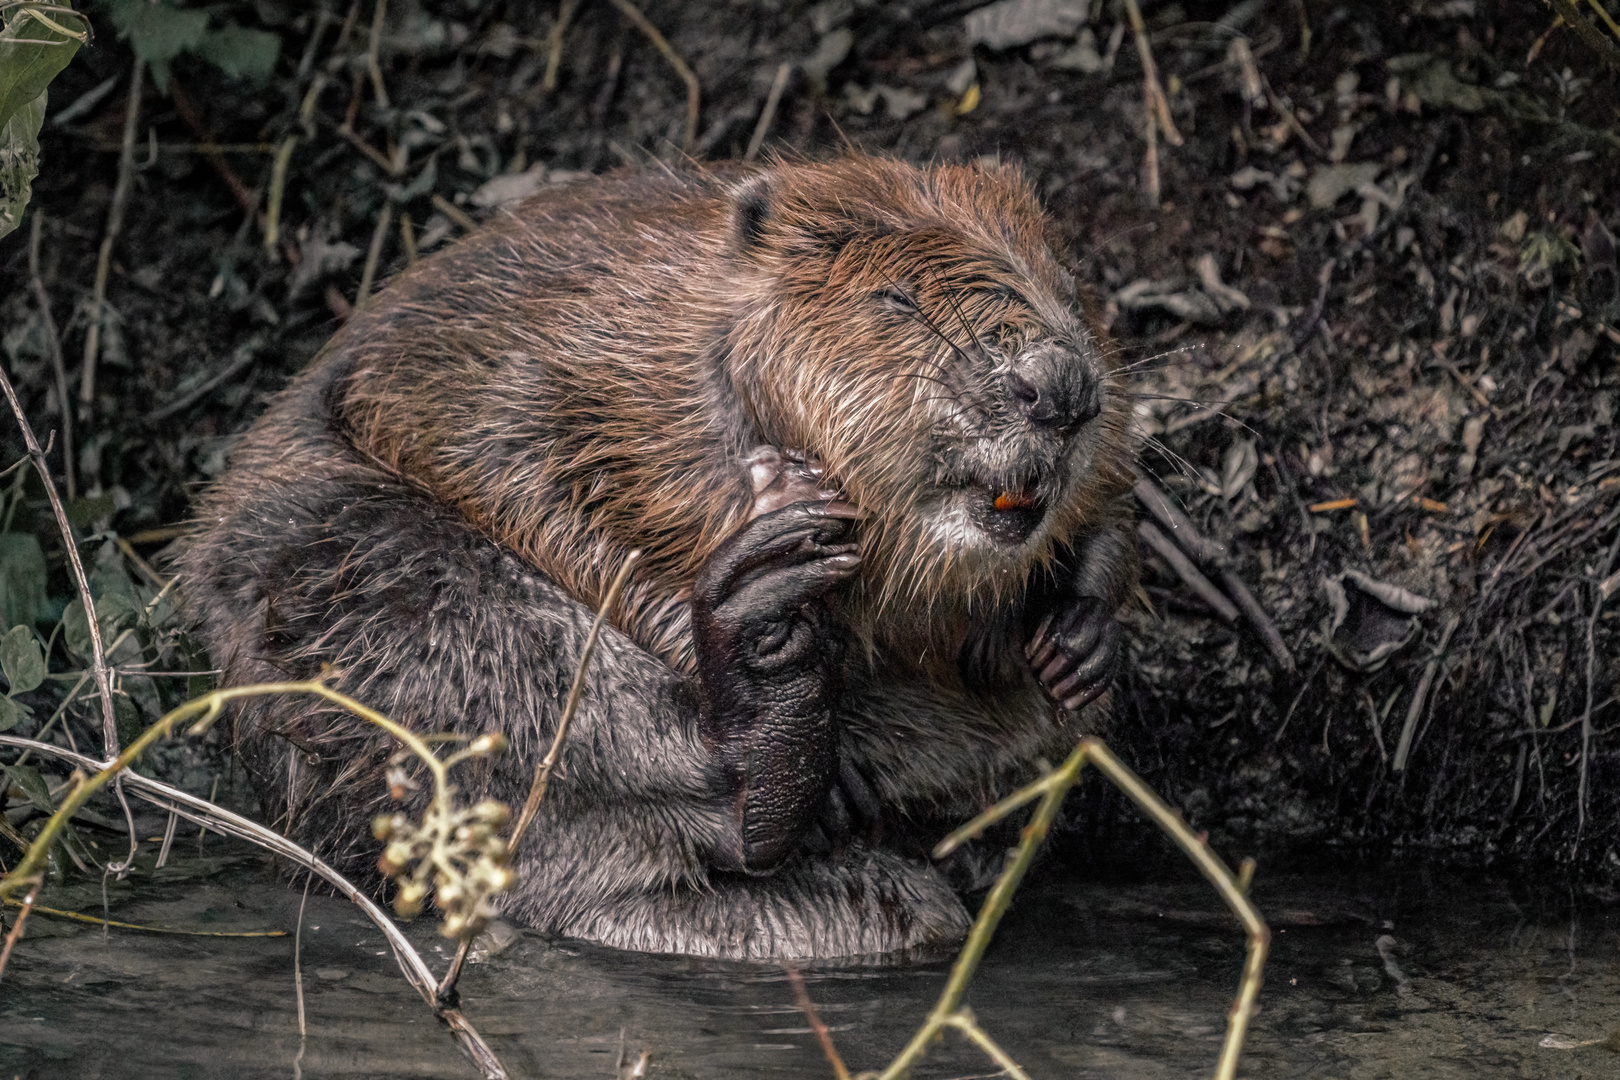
(240, 360)
(1050, 789)
(802, 997)
(1214, 557)
(694, 90)
(278, 188)
(298, 955)
(1182, 530)
(1158, 105)
(58, 362)
(1606, 49)
(542, 771)
(1150, 157)
(223, 821)
(378, 235)
(17, 928)
(1415, 710)
(445, 996)
(109, 723)
(1184, 568)
(407, 237)
(963, 1021)
(453, 212)
(1258, 619)
(372, 65)
(768, 114)
(115, 225)
(1598, 596)
(246, 197)
(1290, 119)
(554, 43)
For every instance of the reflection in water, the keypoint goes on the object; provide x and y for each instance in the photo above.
(1393, 973)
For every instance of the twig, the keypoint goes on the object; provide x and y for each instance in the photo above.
(1153, 93)
(284, 153)
(1213, 556)
(1050, 790)
(73, 694)
(445, 997)
(1598, 596)
(542, 771)
(768, 114)
(378, 235)
(1150, 157)
(240, 360)
(141, 564)
(453, 212)
(1190, 574)
(278, 188)
(964, 1021)
(1403, 748)
(17, 928)
(694, 90)
(1313, 317)
(298, 953)
(372, 65)
(246, 197)
(1186, 534)
(554, 43)
(823, 1036)
(407, 237)
(115, 224)
(1290, 119)
(1606, 49)
(109, 723)
(223, 821)
(1258, 619)
(58, 362)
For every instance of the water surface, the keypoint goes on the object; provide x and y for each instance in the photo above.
(1393, 972)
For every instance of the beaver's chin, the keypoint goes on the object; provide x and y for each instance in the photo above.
(994, 521)
(1008, 516)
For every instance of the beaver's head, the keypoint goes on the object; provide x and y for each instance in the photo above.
(914, 329)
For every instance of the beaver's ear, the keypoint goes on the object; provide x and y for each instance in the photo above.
(751, 209)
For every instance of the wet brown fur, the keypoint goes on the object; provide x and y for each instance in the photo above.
(437, 505)
(627, 370)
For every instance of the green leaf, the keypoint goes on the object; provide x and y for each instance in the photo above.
(10, 714)
(21, 659)
(88, 509)
(26, 779)
(128, 719)
(115, 612)
(22, 579)
(240, 52)
(19, 161)
(158, 32)
(28, 66)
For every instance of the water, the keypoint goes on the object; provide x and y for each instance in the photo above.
(1375, 973)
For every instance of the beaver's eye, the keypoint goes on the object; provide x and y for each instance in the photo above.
(897, 300)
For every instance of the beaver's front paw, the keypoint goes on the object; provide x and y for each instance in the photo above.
(768, 660)
(759, 602)
(1074, 650)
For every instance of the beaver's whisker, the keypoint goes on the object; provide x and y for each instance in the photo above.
(1183, 466)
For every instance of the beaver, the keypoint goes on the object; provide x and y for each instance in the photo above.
(859, 422)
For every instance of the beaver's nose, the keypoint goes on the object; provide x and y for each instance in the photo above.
(1055, 387)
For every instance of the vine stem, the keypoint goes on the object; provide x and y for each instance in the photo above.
(223, 821)
(98, 656)
(1050, 790)
(542, 771)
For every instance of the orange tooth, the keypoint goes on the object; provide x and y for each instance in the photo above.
(1014, 500)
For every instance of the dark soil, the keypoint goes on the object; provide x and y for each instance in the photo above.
(1424, 322)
